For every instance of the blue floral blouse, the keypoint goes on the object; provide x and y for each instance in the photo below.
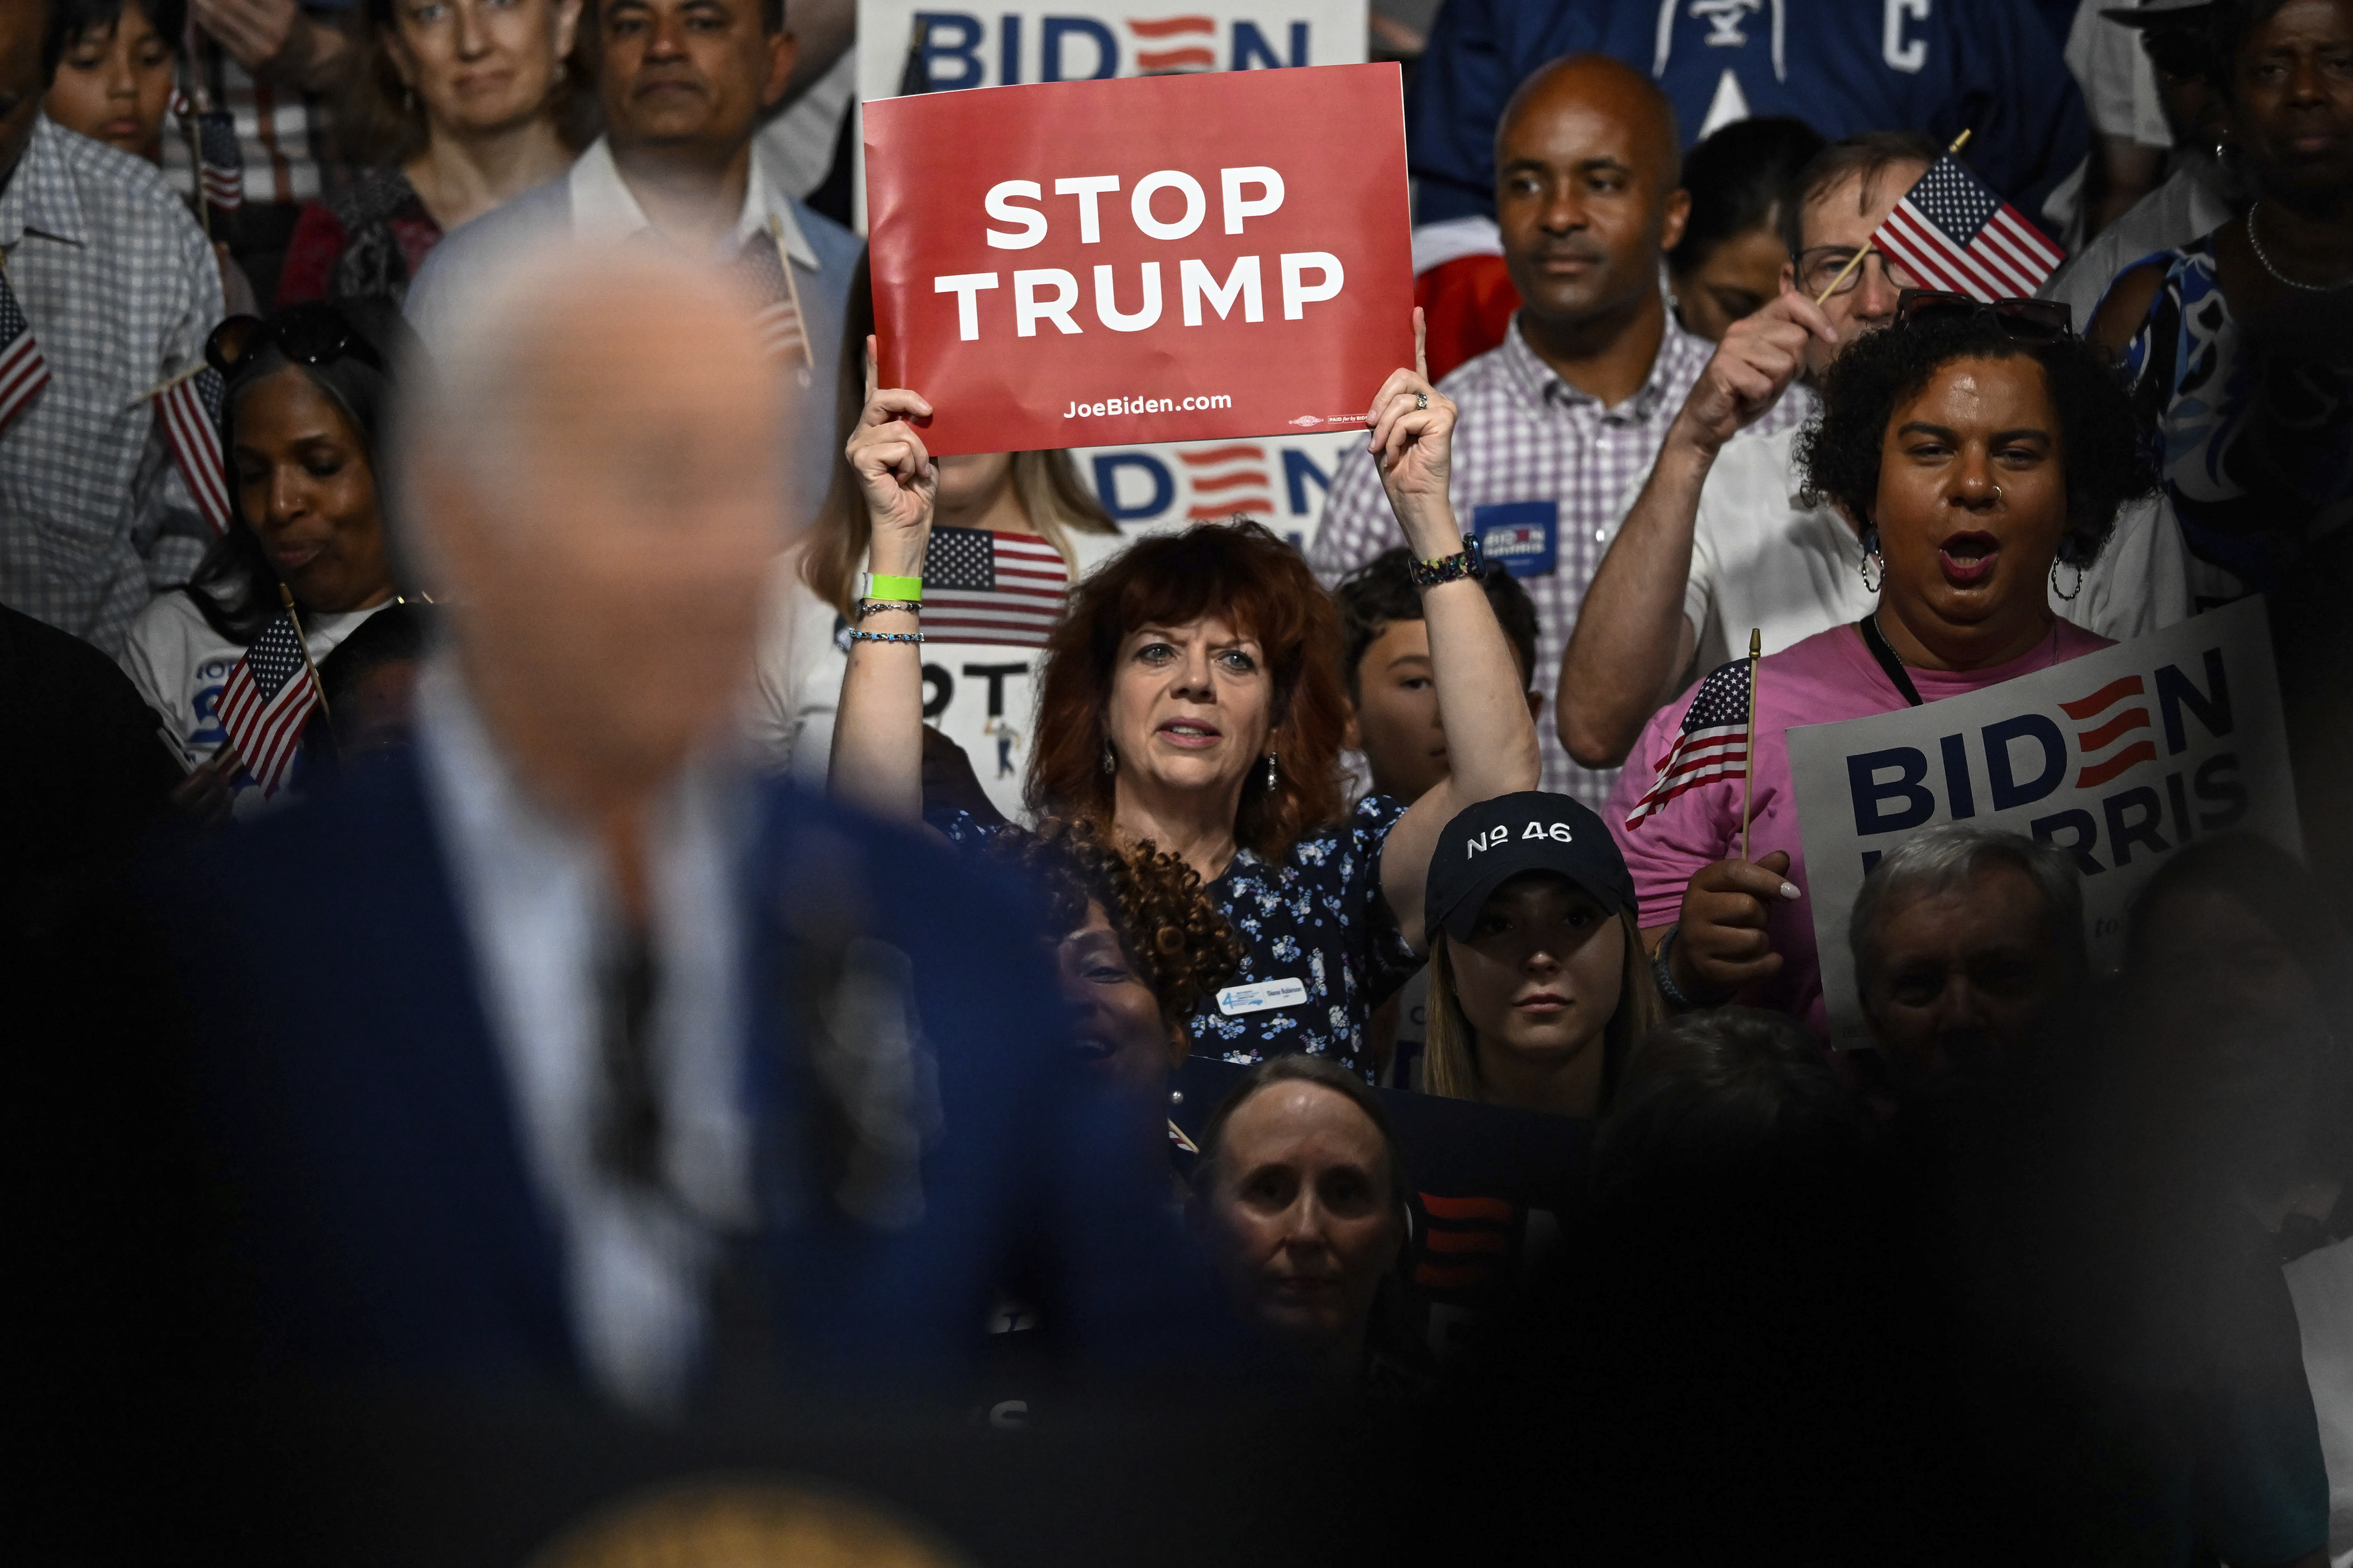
(1316, 917)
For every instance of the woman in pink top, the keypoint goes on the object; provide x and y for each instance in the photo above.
(1982, 451)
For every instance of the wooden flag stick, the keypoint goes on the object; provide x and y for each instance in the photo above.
(1856, 260)
(190, 134)
(161, 387)
(318, 686)
(1749, 764)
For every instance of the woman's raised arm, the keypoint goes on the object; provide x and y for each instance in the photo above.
(878, 734)
(1490, 738)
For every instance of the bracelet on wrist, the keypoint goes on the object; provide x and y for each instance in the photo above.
(886, 636)
(1662, 970)
(897, 590)
(876, 606)
(1468, 562)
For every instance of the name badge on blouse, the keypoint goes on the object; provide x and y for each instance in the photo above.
(1235, 1000)
(1523, 535)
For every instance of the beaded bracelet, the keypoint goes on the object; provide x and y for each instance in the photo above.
(876, 606)
(886, 636)
(1677, 999)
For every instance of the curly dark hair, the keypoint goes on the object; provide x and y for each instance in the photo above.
(2099, 440)
(1177, 937)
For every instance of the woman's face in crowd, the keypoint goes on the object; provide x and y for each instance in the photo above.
(306, 487)
(1542, 974)
(1116, 1017)
(1972, 500)
(2233, 1020)
(114, 85)
(1300, 1216)
(2293, 91)
(481, 65)
(1190, 706)
(1735, 280)
(971, 481)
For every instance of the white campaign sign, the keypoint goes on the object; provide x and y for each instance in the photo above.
(2120, 757)
(1279, 480)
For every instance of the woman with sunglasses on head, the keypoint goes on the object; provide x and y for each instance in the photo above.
(306, 395)
(1191, 699)
(1983, 453)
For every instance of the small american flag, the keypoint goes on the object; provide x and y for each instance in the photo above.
(985, 587)
(1953, 234)
(266, 701)
(219, 162)
(1713, 742)
(762, 267)
(22, 371)
(191, 410)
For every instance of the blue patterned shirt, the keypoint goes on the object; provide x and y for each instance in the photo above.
(1317, 916)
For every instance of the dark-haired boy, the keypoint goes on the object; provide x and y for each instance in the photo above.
(1385, 661)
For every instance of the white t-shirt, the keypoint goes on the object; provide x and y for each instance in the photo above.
(2321, 1283)
(982, 695)
(1761, 558)
(179, 664)
(2118, 81)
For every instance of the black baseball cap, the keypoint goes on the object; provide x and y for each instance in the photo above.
(1495, 840)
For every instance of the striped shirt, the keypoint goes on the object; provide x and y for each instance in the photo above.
(283, 134)
(1525, 435)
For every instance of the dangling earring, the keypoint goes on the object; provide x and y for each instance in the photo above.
(1871, 553)
(2070, 596)
(1269, 770)
(1111, 762)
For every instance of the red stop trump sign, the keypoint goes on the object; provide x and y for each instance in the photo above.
(1148, 258)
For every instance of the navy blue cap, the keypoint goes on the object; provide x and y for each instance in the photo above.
(1492, 842)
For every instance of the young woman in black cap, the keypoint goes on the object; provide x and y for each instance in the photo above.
(1538, 981)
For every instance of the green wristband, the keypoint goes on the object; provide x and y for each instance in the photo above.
(898, 590)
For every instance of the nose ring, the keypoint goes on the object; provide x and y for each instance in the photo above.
(1997, 492)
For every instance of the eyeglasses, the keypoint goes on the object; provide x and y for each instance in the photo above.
(1818, 266)
(311, 334)
(2028, 321)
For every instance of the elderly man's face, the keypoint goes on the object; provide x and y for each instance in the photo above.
(1964, 978)
(687, 76)
(21, 21)
(607, 592)
(1583, 194)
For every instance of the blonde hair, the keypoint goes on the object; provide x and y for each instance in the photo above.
(1054, 499)
(1450, 1056)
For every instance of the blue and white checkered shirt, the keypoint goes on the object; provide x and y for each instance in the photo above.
(1526, 435)
(121, 290)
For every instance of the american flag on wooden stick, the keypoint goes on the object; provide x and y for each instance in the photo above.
(981, 586)
(1952, 233)
(268, 700)
(190, 409)
(220, 163)
(22, 371)
(1711, 743)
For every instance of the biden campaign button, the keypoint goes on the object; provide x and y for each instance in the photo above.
(1259, 997)
(1523, 536)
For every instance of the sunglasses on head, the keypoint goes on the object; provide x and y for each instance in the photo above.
(312, 334)
(2028, 321)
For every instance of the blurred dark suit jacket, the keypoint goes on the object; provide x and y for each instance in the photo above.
(372, 1191)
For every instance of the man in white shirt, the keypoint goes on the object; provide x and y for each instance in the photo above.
(682, 84)
(1720, 541)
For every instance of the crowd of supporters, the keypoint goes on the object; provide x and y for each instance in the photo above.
(579, 861)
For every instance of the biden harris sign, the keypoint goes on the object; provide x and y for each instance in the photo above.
(2119, 758)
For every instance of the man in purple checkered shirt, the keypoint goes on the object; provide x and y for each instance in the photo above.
(1561, 422)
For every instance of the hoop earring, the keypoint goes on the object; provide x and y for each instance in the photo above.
(2070, 596)
(1870, 553)
(1269, 770)
(1111, 759)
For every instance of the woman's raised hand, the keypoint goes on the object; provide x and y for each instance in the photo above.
(1413, 447)
(896, 476)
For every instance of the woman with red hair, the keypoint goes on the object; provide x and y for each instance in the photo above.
(1192, 700)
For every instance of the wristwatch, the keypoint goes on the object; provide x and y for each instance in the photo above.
(1468, 562)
